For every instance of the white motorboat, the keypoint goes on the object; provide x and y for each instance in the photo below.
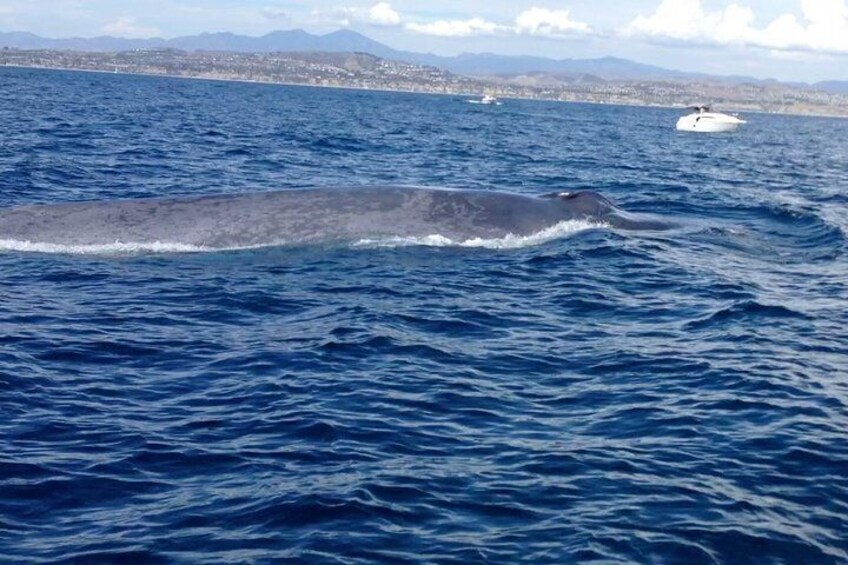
(704, 120)
(488, 100)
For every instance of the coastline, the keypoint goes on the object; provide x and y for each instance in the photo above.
(462, 93)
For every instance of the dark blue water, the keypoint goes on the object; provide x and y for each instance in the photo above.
(610, 396)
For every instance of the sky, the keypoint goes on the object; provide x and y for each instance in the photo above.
(795, 40)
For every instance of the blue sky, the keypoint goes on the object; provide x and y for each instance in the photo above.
(786, 39)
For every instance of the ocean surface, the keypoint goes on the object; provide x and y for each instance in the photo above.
(676, 396)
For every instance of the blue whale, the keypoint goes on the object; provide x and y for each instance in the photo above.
(309, 215)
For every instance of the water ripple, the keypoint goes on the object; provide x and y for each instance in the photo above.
(603, 396)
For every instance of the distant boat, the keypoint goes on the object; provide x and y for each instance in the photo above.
(487, 99)
(703, 120)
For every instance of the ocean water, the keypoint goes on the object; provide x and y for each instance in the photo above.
(599, 395)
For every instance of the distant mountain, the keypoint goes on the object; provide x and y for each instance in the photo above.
(293, 40)
(609, 68)
(835, 86)
(540, 79)
(347, 41)
(342, 41)
(23, 40)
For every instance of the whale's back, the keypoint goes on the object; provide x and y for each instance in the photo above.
(289, 216)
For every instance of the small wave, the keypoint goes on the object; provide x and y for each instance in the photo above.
(116, 248)
(747, 310)
(831, 215)
(509, 241)
(834, 217)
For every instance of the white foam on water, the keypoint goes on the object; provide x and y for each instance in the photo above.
(833, 216)
(509, 241)
(116, 248)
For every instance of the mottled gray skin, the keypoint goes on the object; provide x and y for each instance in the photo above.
(307, 215)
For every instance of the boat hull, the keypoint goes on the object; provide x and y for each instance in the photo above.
(709, 123)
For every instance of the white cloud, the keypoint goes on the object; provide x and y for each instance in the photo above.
(127, 27)
(341, 17)
(534, 21)
(550, 23)
(457, 28)
(824, 26)
(382, 14)
(274, 13)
